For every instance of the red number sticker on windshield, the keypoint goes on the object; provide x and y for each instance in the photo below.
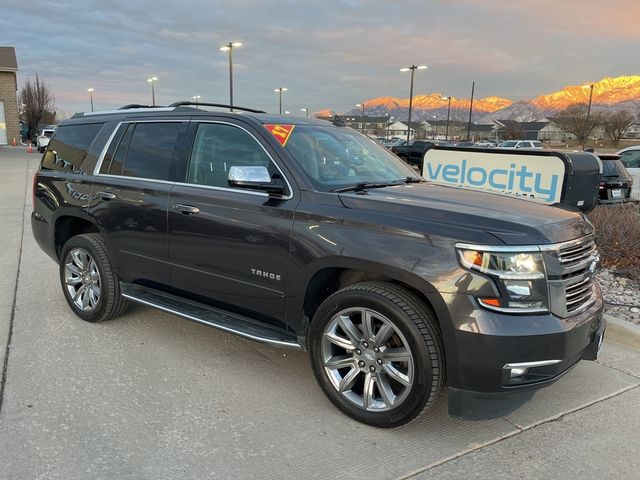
(280, 132)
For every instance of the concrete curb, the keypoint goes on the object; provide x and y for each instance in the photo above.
(623, 332)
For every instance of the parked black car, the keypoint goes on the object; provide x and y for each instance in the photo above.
(616, 183)
(308, 235)
(413, 152)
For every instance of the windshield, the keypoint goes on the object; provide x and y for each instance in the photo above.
(335, 157)
(508, 144)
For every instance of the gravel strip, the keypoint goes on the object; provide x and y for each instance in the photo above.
(621, 296)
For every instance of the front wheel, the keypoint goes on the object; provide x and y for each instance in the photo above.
(376, 353)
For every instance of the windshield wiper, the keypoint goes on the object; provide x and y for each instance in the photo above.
(366, 185)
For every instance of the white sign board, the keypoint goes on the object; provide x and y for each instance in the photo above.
(536, 177)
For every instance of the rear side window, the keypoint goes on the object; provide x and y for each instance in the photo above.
(68, 147)
(152, 148)
(631, 158)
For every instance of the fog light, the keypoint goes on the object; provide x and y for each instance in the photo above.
(518, 372)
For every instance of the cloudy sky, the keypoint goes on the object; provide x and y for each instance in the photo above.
(328, 53)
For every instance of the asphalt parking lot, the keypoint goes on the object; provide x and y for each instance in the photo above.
(150, 396)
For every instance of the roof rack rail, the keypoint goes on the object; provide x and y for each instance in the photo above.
(203, 104)
(137, 105)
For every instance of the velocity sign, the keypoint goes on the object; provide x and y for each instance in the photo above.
(537, 177)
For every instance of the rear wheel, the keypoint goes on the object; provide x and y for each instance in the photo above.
(88, 280)
(376, 353)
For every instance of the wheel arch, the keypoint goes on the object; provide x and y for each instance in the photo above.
(70, 225)
(334, 273)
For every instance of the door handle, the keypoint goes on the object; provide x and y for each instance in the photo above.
(186, 209)
(106, 195)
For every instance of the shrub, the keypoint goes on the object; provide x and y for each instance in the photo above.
(618, 237)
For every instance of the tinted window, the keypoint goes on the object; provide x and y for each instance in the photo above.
(217, 147)
(151, 150)
(68, 147)
(631, 159)
(116, 159)
(613, 168)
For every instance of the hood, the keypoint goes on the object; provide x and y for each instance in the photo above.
(438, 208)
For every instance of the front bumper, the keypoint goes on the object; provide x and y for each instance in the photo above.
(480, 386)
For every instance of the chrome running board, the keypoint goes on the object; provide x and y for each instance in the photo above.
(213, 317)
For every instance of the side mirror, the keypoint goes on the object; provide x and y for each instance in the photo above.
(255, 178)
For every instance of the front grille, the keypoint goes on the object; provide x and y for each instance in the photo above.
(571, 270)
(579, 294)
(574, 254)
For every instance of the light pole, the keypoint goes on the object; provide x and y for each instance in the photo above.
(587, 129)
(413, 68)
(90, 90)
(389, 125)
(153, 80)
(279, 91)
(196, 98)
(446, 133)
(436, 134)
(473, 88)
(361, 105)
(305, 110)
(229, 48)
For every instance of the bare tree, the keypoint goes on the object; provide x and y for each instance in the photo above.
(616, 123)
(574, 120)
(38, 102)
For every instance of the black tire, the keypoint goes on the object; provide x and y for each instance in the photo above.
(110, 302)
(413, 320)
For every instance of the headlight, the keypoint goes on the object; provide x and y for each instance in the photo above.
(519, 276)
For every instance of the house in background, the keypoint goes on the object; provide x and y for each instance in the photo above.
(9, 121)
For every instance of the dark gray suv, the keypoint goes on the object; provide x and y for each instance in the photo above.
(306, 234)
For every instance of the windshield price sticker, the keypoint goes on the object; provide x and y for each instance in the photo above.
(280, 132)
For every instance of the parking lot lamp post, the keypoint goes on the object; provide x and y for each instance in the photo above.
(412, 68)
(90, 90)
(305, 110)
(361, 105)
(587, 132)
(473, 88)
(279, 91)
(196, 98)
(153, 80)
(436, 134)
(446, 132)
(229, 48)
(389, 122)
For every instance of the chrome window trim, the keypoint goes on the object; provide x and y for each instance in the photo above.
(96, 170)
(103, 153)
(154, 180)
(240, 190)
(225, 189)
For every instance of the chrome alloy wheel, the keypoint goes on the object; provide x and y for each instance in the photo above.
(82, 279)
(367, 359)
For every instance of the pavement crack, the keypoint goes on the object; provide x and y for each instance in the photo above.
(618, 369)
(7, 350)
(478, 447)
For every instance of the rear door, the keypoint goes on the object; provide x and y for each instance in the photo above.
(230, 246)
(131, 194)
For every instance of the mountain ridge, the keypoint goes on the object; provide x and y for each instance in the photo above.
(608, 93)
